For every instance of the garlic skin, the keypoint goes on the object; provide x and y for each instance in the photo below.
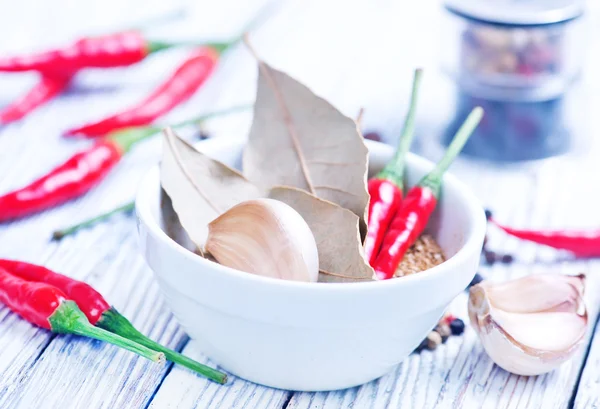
(264, 237)
(531, 325)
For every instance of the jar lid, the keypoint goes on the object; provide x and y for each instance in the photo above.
(518, 12)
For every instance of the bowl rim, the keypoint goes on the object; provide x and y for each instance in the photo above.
(143, 205)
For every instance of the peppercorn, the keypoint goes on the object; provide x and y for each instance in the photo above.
(476, 280)
(433, 340)
(490, 257)
(203, 133)
(374, 136)
(444, 331)
(457, 326)
(507, 258)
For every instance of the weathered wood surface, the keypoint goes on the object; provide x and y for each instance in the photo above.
(353, 53)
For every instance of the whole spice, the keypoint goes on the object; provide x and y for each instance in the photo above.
(434, 339)
(444, 331)
(179, 87)
(582, 243)
(447, 326)
(531, 325)
(46, 306)
(385, 189)
(373, 136)
(112, 50)
(48, 87)
(264, 237)
(126, 208)
(411, 219)
(490, 257)
(80, 173)
(99, 312)
(457, 326)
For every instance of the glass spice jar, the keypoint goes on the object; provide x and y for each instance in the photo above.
(517, 59)
(514, 49)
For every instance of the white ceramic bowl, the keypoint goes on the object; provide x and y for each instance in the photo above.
(311, 336)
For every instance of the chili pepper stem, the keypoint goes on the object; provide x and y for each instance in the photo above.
(113, 321)
(59, 234)
(220, 47)
(202, 118)
(433, 180)
(68, 319)
(394, 170)
(128, 137)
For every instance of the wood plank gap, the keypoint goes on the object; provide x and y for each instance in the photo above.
(287, 400)
(588, 349)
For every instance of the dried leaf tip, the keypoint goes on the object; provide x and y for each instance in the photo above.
(266, 71)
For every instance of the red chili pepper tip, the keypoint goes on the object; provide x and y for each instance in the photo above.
(178, 88)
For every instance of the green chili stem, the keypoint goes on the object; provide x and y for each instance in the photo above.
(126, 138)
(68, 319)
(220, 47)
(198, 120)
(394, 170)
(434, 179)
(113, 321)
(59, 234)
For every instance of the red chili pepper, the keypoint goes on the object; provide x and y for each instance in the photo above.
(48, 307)
(582, 243)
(176, 89)
(70, 180)
(99, 312)
(410, 221)
(386, 187)
(112, 50)
(49, 86)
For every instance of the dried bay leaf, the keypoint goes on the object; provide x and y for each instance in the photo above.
(171, 224)
(200, 188)
(299, 139)
(336, 233)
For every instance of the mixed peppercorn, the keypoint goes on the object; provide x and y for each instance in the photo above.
(448, 326)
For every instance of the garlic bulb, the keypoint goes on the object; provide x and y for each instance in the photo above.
(265, 237)
(531, 325)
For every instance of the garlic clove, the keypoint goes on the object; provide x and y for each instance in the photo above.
(543, 292)
(532, 325)
(548, 331)
(264, 237)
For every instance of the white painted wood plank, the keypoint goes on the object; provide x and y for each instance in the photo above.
(182, 389)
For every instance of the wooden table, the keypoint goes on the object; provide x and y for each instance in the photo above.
(353, 53)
